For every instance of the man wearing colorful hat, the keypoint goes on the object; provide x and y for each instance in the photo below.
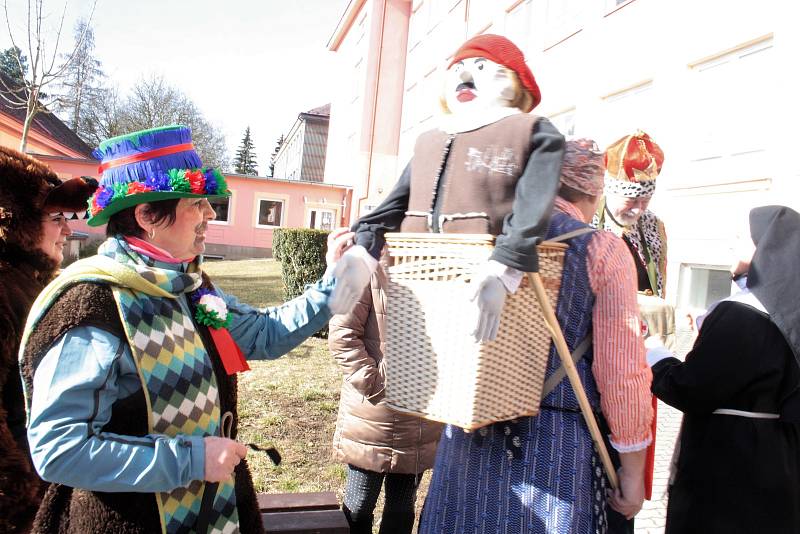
(632, 165)
(542, 474)
(130, 357)
(490, 168)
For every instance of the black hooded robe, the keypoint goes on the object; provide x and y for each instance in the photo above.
(735, 474)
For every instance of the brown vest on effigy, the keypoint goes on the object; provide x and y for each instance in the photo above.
(478, 171)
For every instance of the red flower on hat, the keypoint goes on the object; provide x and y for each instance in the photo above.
(197, 181)
(503, 52)
(94, 208)
(137, 187)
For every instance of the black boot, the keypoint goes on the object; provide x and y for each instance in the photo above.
(360, 523)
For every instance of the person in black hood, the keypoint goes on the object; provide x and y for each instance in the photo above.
(738, 454)
(33, 231)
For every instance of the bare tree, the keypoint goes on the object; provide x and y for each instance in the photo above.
(153, 102)
(105, 118)
(44, 68)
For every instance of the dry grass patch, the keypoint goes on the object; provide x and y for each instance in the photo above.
(289, 403)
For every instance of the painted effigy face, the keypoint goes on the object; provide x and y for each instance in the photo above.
(476, 84)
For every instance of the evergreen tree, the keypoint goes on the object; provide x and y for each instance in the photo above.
(245, 160)
(14, 64)
(278, 146)
(82, 92)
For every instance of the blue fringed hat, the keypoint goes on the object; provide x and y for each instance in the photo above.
(148, 166)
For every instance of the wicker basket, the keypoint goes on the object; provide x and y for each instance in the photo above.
(434, 368)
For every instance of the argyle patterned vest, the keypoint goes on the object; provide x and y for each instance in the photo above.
(175, 369)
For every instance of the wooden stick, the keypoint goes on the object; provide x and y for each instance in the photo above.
(572, 373)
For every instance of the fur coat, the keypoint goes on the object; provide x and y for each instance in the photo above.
(21, 280)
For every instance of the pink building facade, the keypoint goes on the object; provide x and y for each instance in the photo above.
(257, 206)
(370, 41)
(245, 223)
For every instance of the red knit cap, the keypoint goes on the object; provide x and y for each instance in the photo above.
(503, 52)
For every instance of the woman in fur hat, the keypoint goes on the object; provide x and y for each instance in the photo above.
(33, 232)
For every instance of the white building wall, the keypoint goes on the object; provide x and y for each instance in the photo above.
(707, 80)
(289, 160)
(346, 161)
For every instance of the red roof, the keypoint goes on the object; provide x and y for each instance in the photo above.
(48, 125)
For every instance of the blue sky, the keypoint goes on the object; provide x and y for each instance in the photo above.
(243, 62)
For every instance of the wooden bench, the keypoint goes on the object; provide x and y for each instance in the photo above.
(302, 513)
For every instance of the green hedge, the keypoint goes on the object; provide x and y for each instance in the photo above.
(301, 252)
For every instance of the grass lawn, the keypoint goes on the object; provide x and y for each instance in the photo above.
(290, 403)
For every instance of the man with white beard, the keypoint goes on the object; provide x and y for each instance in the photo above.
(632, 165)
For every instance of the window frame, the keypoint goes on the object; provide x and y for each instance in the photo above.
(686, 285)
(612, 6)
(319, 210)
(231, 211)
(270, 198)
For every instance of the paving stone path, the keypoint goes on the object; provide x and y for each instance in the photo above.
(652, 518)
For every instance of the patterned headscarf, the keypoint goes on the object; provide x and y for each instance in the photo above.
(583, 167)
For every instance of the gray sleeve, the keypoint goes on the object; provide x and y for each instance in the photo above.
(526, 225)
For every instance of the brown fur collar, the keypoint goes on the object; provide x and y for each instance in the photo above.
(20, 486)
(67, 510)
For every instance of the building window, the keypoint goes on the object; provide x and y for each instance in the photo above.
(724, 146)
(479, 15)
(700, 286)
(556, 20)
(565, 122)
(321, 219)
(270, 212)
(220, 206)
(518, 23)
(628, 110)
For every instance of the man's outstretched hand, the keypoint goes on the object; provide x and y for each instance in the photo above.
(352, 273)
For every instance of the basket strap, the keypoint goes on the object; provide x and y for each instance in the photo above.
(570, 235)
(559, 374)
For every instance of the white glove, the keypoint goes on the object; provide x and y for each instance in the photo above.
(352, 273)
(490, 296)
(656, 351)
(339, 240)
